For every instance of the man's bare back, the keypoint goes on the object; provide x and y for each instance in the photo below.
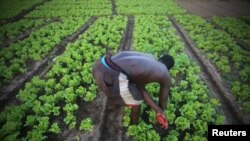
(141, 68)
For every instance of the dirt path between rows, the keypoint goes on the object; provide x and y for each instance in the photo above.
(113, 129)
(9, 92)
(113, 8)
(234, 115)
(127, 40)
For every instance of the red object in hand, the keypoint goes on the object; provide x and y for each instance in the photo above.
(162, 120)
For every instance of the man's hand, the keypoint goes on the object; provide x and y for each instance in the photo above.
(160, 116)
(162, 120)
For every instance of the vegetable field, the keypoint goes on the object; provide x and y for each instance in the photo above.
(48, 47)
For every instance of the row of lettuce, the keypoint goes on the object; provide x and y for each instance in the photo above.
(81, 8)
(48, 104)
(11, 8)
(191, 106)
(222, 50)
(72, 8)
(246, 19)
(55, 8)
(16, 58)
(235, 27)
(142, 7)
(12, 30)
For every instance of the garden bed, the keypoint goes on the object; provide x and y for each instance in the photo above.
(8, 92)
(213, 79)
(23, 13)
(57, 98)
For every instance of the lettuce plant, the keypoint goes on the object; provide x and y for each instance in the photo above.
(86, 125)
(55, 128)
(182, 123)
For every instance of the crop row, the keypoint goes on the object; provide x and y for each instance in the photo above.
(246, 19)
(14, 59)
(44, 100)
(11, 8)
(234, 27)
(164, 7)
(70, 8)
(11, 30)
(223, 52)
(191, 107)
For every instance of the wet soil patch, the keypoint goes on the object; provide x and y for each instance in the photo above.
(9, 92)
(234, 115)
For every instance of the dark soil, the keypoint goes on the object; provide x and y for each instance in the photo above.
(112, 129)
(210, 8)
(127, 39)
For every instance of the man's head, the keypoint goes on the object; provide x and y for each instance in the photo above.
(167, 60)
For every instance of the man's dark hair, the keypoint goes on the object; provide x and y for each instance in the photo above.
(167, 60)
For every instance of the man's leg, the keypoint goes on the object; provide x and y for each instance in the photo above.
(135, 114)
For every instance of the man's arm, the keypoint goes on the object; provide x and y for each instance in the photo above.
(160, 116)
(164, 90)
(149, 100)
(164, 93)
